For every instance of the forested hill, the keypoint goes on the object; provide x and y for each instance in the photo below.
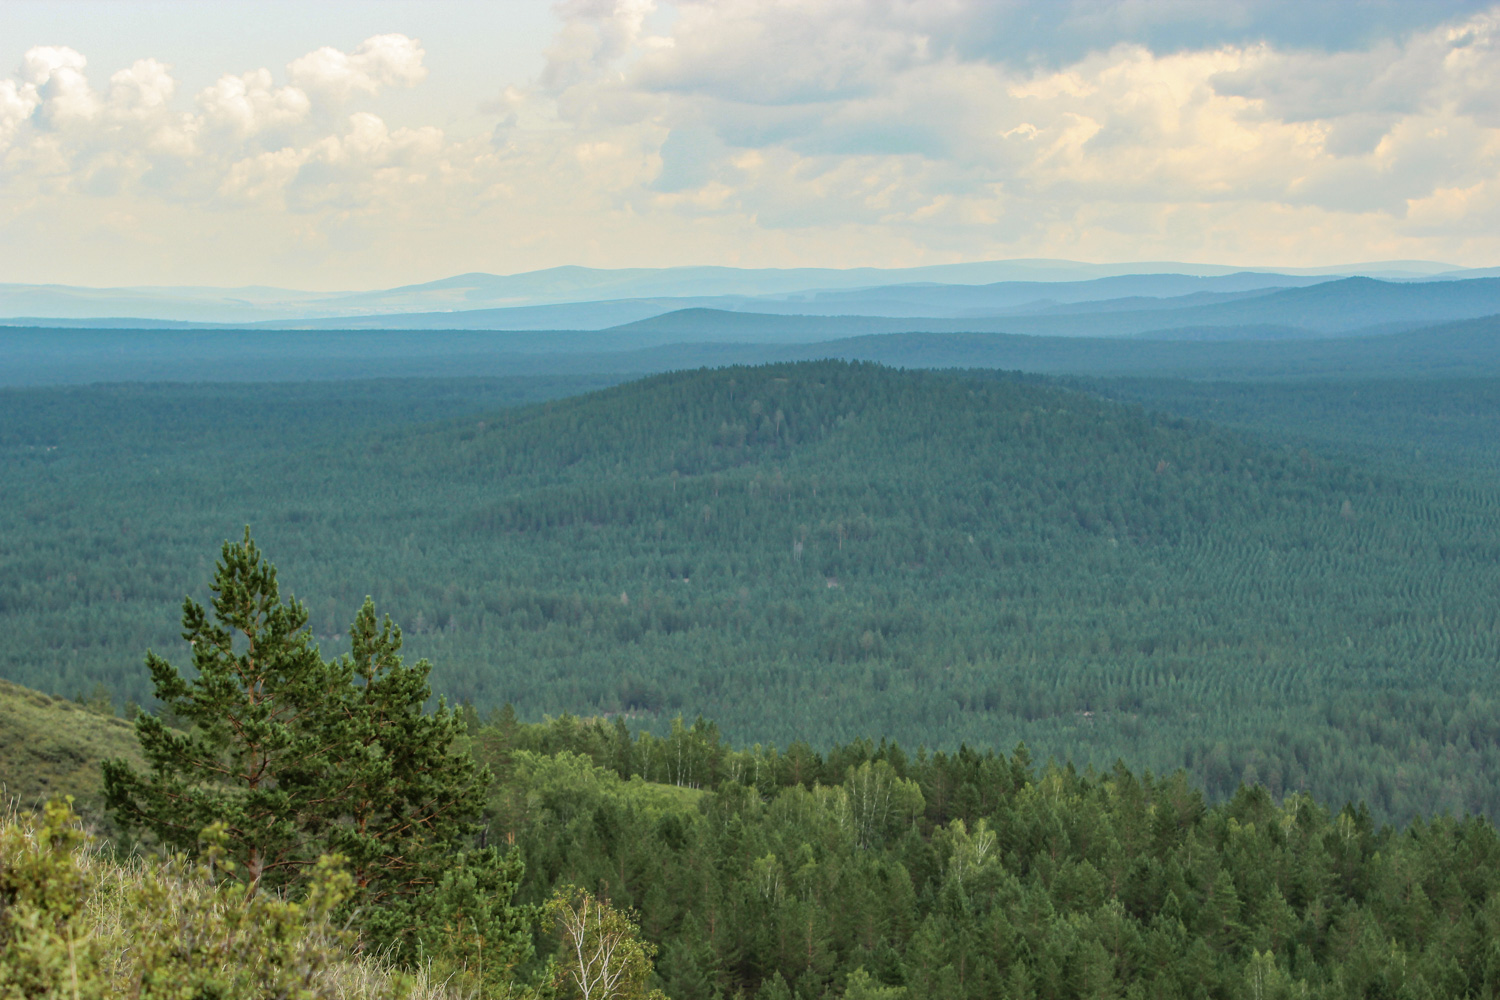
(827, 551)
(919, 461)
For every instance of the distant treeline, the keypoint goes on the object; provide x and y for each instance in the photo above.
(1176, 343)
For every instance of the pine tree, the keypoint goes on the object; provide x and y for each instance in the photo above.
(401, 794)
(860, 985)
(248, 760)
(774, 988)
(297, 757)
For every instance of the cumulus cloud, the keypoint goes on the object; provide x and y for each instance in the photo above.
(17, 102)
(382, 61)
(242, 135)
(143, 90)
(251, 102)
(835, 132)
(56, 75)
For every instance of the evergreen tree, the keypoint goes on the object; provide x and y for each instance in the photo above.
(403, 795)
(295, 758)
(249, 758)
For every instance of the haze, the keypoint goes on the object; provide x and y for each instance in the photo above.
(355, 146)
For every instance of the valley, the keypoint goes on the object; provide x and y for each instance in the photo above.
(683, 500)
(822, 551)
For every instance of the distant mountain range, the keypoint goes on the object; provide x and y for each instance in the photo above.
(1240, 324)
(588, 298)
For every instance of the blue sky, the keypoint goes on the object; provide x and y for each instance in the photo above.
(354, 145)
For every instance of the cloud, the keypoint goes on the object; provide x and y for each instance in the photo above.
(1058, 32)
(142, 91)
(368, 164)
(774, 132)
(251, 102)
(56, 75)
(381, 61)
(244, 130)
(905, 90)
(594, 33)
(17, 102)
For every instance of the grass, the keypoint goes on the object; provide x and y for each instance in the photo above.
(52, 746)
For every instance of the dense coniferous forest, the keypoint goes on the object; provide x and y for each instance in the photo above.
(764, 596)
(870, 872)
(1446, 428)
(866, 872)
(819, 552)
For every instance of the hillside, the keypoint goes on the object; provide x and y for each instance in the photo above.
(864, 871)
(1440, 427)
(52, 746)
(822, 551)
(1329, 308)
(1468, 347)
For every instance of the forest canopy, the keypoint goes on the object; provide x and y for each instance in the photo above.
(817, 551)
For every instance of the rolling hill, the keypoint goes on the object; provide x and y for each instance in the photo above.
(819, 551)
(1325, 309)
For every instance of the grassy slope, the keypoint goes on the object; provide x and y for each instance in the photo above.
(51, 746)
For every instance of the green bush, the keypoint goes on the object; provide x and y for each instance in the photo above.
(73, 924)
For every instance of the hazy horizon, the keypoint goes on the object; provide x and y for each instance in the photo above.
(1121, 267)
(369, 145)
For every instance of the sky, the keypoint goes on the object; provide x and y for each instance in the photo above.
(344, 145)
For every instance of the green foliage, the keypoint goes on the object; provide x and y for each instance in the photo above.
(1007, 882)
(74, 926)
(291, 758)
(973, 558)
(252, 756)
(466, 926)
(600, 953)
(861, 986)
(1444, 429)
(394, 792)
(42, 891)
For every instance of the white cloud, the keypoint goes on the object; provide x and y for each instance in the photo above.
(251, 102)
(262, 178)
(17, 102)
(872, 110)
(57, 75)
(382, 61)
(143, 90)
(778, 132)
